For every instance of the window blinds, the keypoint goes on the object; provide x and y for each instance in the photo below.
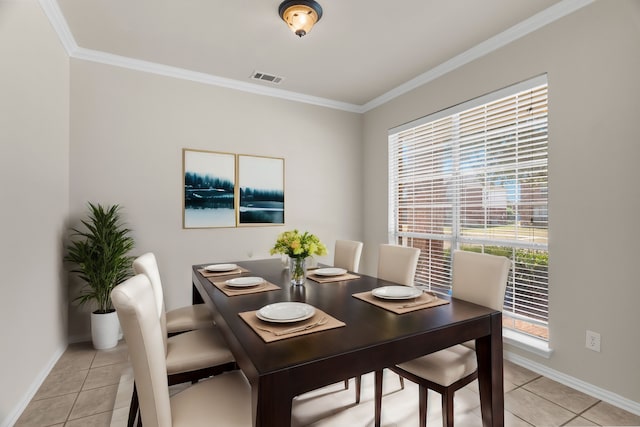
(474, 177)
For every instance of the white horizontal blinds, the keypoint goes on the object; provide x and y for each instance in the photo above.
(475, 178)
(503, 169)
(421, 176)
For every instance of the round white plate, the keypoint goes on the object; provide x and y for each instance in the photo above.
(221, 267)
(244, 282)
(397, 292)
(331, 271)
(285, 312)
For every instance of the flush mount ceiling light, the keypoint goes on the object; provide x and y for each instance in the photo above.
(300, 15)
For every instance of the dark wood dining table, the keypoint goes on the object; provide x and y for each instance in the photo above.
(372, 339)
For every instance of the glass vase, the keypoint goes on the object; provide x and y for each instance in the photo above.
(297, 270)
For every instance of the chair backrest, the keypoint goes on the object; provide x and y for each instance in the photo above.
(347, 254)
(146, 264)
(480, 278)
(397, 263)
(135, 304)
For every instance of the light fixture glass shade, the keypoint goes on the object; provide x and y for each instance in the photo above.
(300, 15)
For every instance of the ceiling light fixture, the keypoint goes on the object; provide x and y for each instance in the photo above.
(300, 15)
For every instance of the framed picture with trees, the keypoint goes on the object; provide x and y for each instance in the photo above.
(260, 190)
(209, 182)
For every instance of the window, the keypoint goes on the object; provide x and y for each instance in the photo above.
(474, 177)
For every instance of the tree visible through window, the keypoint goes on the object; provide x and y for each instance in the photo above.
(474, 177)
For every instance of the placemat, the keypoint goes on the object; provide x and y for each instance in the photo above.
(208, 274)
(268, 336)
(403, 306)
(232, 292)
(330, 279)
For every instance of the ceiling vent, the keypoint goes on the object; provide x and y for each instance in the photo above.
(266, 77)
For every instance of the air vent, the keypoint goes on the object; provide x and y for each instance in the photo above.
(266, 77)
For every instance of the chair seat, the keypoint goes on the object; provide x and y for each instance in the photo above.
(195, 350)
(445, 366)
(188, 318)
(224, 400)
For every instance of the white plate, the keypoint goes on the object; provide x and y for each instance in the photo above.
(331, 271)
(221, 267)
(244, 282)
(397, 292)
(285, 312)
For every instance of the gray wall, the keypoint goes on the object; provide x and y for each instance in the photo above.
(593, 65)
(127, 133)
(34, 192)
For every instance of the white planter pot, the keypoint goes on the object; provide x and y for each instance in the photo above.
(105, 329)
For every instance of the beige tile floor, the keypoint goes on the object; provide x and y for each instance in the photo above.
(91, 388)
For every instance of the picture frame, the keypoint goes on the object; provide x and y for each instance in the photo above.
(260, 193)
(209, 189)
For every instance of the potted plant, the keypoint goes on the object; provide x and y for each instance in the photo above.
(100, 255)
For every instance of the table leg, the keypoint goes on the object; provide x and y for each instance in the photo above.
(196, 298)
(378, 398)
(271, 406)
(490, 374)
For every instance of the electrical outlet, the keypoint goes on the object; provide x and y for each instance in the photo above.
(593, 341)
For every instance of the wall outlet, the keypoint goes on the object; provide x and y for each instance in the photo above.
(593, 341)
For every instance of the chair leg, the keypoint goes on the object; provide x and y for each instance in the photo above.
(133, 407)
(423, 396)
(378, 397)
(447, 408)
(401, 382)
(358, 388)
(346, 384)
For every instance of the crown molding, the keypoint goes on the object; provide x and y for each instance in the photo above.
(59, 24)
(209, 79)
(519, 30)
(551, 14)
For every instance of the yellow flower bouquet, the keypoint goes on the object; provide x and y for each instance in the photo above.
(298, 247)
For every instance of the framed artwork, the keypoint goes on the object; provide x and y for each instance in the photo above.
(261, 190)
(209, 182)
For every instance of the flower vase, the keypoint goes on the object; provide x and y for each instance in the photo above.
(297, 270)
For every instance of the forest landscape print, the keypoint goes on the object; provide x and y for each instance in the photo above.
(209, 188)
(261, 183)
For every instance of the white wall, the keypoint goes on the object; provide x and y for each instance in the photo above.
(593, 63)
(127, 134)
(34, 168)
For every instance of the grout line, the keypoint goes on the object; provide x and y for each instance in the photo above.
(585, 410)
(82, 385)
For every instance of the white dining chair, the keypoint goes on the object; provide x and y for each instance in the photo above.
(189, 356)
(187, 318)
(478, 278)
(397, 263)
(347, 255)
(222, 401)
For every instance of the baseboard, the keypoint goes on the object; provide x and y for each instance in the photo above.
(13, 416)
(590, 389)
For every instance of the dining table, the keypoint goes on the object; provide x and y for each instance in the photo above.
(369, 338)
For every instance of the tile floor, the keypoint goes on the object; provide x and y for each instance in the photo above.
(91, 388)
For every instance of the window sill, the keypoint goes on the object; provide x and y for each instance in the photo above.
(527, 343)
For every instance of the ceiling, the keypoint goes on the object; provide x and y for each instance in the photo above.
(359, 51)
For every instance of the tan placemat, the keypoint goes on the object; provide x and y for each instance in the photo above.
(268, 336)
(400, 307)
(330, 279)
(232, 292)
(208, 274)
